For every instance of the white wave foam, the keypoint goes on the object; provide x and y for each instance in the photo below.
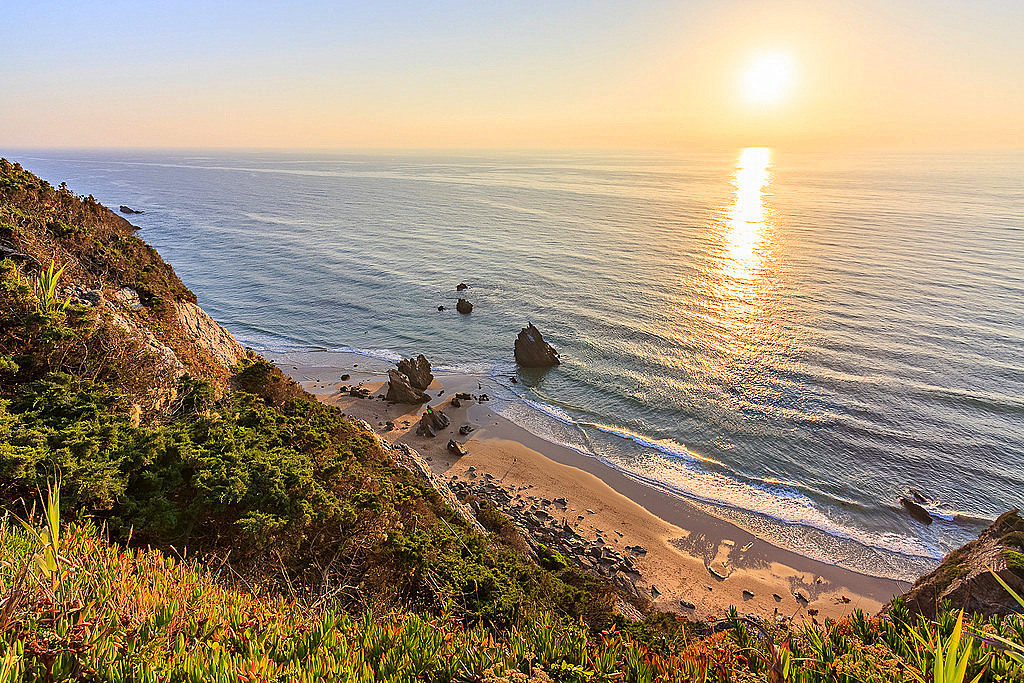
(379, 354)
(666, 446)
(684, 474)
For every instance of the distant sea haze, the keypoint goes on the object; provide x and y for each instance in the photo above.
(788, 340)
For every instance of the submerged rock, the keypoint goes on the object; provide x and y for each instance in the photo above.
(916, 511)
(532, 351)
(463, 306)
(400, 390)
(417, 370)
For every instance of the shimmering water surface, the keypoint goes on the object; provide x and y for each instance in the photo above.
(789, 340)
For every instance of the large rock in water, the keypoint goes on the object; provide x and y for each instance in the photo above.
(400, 390)
(432, 422)
(417, 370)
(963, 577)
(463, 306)
(532, 351)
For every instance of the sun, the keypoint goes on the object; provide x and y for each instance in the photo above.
(767, 79)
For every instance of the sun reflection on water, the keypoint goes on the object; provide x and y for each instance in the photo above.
(745, 221)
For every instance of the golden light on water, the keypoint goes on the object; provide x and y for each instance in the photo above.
(739, 277)
(745, 221)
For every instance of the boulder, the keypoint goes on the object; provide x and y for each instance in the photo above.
(432, 422)
(457, 448)
(400, 390)
(916, 511)
(128, 209)
(461, 287)
(963, 576)
(532, 351)
(417, 370)
(440, 308)
(89, 297)
(463, 306)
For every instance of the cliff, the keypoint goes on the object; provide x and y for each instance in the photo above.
(963, 578)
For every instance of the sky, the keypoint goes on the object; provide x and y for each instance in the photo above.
(928, 75)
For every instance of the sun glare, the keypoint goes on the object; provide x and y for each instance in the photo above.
(767, 79)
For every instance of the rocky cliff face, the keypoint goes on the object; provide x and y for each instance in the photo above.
(963, 578)
(124, 300)
(210, 336)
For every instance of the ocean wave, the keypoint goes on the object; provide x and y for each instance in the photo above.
(776, 502)
(378, 354)
(666, 446)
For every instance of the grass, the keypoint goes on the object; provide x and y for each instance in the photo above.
(74, 606)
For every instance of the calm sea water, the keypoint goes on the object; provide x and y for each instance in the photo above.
(788, 340)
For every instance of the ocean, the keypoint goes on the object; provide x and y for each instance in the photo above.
(788, 340)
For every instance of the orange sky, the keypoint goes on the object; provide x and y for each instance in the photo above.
(928, 75)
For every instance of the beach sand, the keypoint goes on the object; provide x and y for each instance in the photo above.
(695, 563)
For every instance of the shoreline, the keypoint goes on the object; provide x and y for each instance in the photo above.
(691, 562)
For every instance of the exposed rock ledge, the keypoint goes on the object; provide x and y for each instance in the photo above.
(963, 577)
(209, 334)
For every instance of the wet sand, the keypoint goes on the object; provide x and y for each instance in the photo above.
(692, 557)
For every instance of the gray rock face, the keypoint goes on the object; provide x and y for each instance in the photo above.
(129, 297)
(210, 335)
(400, 390)
(532, 351)
(417, 370)
(432, 422)
(88, 297)
(464, 306)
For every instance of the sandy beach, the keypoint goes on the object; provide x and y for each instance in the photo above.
(670, 552)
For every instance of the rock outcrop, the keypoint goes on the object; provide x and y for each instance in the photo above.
(432, 422)
(401, 390)
(963, 577)
(128, 209)
(210, 335)
(461, 287)
(417, 370)
(463, 306)
(916, 510)
(532, 351)
(129, 297)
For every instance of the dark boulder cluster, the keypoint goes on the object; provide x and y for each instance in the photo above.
(542, 524)
(532, 351)
(432, 422)
(409, 382)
